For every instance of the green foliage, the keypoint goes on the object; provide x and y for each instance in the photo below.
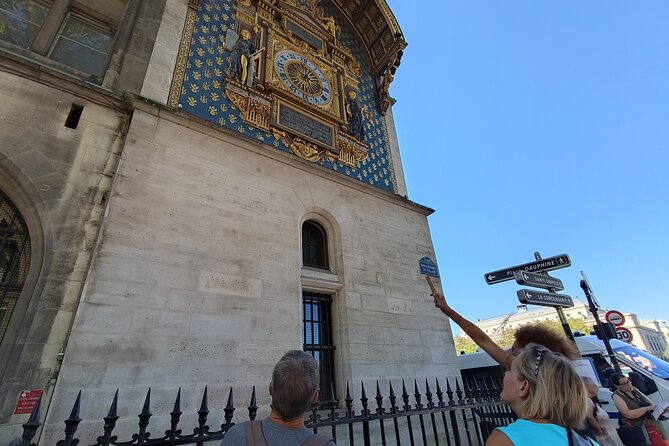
(464, 344)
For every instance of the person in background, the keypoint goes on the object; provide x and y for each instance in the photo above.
(636, 410)
(294, 389)
(523, 336)
(544, 390)
(603, 428)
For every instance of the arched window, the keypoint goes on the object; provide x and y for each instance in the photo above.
(14, 259)
(314, 245)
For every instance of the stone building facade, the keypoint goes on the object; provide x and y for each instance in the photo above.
(168, 222)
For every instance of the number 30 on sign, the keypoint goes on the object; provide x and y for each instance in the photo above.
(623, 334)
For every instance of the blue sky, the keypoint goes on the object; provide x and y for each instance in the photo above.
(540, 126)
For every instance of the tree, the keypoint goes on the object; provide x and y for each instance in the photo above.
(464, 344)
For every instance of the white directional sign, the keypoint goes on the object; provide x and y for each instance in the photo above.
(546, 299)
(538, 280)
(623, 334)
(547, 264)
(615, 317)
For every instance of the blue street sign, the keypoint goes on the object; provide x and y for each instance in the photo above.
(428, 267)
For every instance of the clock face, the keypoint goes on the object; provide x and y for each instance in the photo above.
(302, 78)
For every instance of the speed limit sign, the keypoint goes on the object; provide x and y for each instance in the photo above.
(623, 334)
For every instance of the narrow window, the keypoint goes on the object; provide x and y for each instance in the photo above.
(20, 20)
(73, 116)
(82, 44)
(14, 259)
(317, 339)
(314, 245)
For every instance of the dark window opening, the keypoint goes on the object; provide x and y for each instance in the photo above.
(14, 259)
(73, 116)
(317, 340)
(314, 245)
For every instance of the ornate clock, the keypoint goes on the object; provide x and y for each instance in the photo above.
(302, 77)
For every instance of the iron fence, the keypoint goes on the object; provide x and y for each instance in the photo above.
(464, 416)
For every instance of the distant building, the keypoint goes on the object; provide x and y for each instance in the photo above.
(648, 335)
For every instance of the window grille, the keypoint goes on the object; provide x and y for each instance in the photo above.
(317, 339)
(14, 259)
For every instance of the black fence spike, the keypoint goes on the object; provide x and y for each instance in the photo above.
(417, 395)
(144, 418)
(72, 422)
(177, 404)
(428, 395)
(253, 407)
(364, 400)
(392, 398)
(468, 392)
(458, 391)
(34, 415)
(175, 415)
(229, 411)
(113, 409)
(110, 421)
(379, 400)
(75, 409)
(449, 392)
(349, 402)
(147, 404)
(30, 427)
(405, 397)
(440, 394)
(231, 400)
(205, 401)
(203, 413)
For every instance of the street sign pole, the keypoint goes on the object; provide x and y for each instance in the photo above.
(560, 311)
(585, 286)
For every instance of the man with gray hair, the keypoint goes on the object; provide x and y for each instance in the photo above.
(294, 389)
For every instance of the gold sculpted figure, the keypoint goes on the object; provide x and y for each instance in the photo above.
(242, 57)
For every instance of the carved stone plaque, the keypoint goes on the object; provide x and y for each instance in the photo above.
(306, 126)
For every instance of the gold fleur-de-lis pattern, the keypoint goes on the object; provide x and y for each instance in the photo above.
(207, 64)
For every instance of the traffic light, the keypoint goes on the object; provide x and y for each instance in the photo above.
(605, 331)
